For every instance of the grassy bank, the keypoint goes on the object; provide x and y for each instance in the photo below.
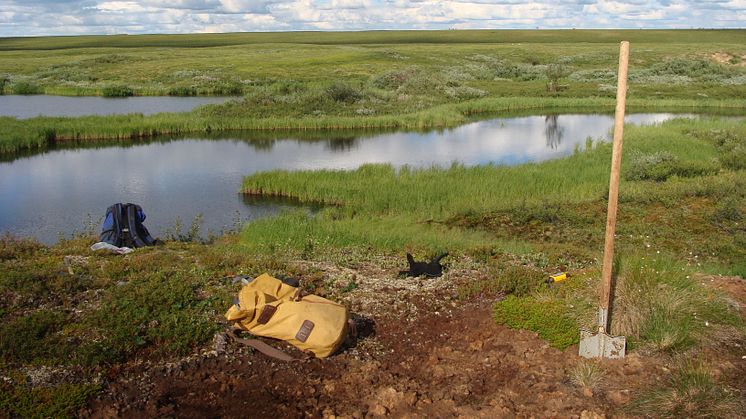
(38, 133)
(681, 161)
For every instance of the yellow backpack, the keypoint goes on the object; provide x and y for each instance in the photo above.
(268, 307)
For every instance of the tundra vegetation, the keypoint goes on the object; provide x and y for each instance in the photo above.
(681, 215)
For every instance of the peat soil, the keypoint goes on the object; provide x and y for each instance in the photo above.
(430, 357)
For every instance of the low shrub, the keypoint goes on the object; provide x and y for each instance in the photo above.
(59, 401)
(163, 309)
(519, 280)
(33, 337)
(661, 165)
(182, 91)
(341, 91)
(117, 91)
(25, 88)
(13, 247)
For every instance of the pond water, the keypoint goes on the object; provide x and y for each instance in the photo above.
(61, 191)
(30, 106)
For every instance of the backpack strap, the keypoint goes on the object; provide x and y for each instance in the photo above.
(138, 233)
(263, 347)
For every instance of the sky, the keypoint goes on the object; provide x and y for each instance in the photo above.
(77, 17)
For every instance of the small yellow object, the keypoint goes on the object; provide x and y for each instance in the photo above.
(558, 277)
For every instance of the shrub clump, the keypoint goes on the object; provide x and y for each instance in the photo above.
(661, 165)
(25, 88)
(32, 337)
(341, 91)
(732, 147)
(182, 91)
(391, 80)
(117, 91)
(4, 81)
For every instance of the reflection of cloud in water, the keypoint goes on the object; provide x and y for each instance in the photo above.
(47, 193)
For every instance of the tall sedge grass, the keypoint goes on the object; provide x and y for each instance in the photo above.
(440, 192)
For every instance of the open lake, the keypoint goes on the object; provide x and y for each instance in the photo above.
(60, 190)
(21, 106)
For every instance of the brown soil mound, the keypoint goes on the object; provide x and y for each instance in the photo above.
(453, 363)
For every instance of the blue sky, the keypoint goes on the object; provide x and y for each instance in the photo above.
(73, 17)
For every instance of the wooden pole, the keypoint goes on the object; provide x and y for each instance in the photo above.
(616, 163)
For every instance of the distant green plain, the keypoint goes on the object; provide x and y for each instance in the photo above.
(398, 79)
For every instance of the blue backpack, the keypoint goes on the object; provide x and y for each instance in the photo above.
(123, 227)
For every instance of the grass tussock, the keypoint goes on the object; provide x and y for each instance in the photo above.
(660, 305)
(692, 391)
(588, 374)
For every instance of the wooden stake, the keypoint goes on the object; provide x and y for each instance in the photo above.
(616, 163)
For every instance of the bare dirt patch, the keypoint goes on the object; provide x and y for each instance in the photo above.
(726, 58)
(420, 353)
(454, 363)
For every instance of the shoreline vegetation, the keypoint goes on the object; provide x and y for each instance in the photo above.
(38, 133)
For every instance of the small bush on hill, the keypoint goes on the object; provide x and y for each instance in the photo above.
(391, 80)
(340, 91)
(661, 165)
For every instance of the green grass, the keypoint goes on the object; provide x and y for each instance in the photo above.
(691, 391)
(440, 193)
(38, 133)
(59, 401)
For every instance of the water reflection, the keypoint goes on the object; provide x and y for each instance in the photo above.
(54, 192)
(23, 107)
(553, 131)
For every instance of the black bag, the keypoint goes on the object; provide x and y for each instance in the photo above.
(123, 227)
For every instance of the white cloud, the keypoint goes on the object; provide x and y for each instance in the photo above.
(53, 17)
